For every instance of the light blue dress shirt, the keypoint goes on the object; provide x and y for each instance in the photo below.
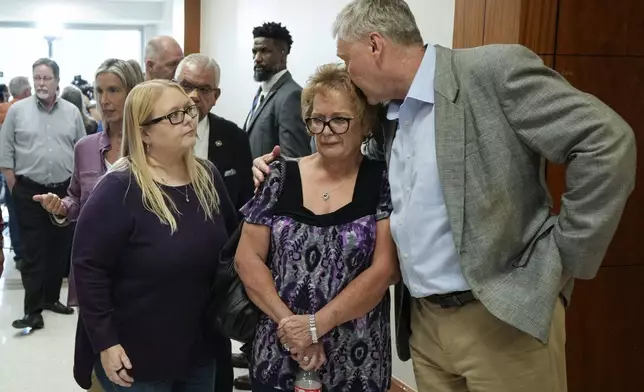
(419, 222)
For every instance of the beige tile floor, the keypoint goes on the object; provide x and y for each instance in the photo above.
(42, 361)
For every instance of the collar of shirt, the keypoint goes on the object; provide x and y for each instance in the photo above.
(104, 142)
(201, 148)
(203, 126)
(422, 87)
(42, 106)
(268, 85)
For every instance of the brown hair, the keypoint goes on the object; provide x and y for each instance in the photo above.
(335, 77)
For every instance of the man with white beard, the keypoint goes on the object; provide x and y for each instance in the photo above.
(37, 157)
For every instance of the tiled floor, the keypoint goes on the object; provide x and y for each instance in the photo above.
(42, 361)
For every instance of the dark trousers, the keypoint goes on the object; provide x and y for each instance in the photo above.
(14, 231)
(200, 379)
(225, 372)
(45, 247)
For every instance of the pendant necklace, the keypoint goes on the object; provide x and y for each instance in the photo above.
(187, 195)
(327, 195)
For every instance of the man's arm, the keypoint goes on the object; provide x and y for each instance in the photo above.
(565, 125)
(293, 138)
(80, 127)
(243, 165)
(7, 148)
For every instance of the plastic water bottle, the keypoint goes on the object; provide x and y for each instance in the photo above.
(307, 382)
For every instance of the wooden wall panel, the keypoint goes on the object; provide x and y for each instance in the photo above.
(604, 332)
(636, 28)
(192, 26)
(619, 82)
(597, 27)
(548, 60)
(502, 22)
(469, 19)
(539, 25)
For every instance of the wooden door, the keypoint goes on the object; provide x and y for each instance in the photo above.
(600, 27)
(604, 324)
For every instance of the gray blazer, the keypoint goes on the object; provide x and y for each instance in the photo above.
(278, 121)
(500, 114)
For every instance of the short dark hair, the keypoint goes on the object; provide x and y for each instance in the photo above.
(275, 31)
(50, 63)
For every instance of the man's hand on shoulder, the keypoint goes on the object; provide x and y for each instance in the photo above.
(260, 166)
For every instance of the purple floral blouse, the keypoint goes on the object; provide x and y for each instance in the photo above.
(312, 259)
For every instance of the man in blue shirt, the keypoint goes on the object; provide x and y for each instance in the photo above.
(487, 269)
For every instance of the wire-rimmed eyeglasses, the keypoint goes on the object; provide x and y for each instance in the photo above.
(176, 117)
(337, 125)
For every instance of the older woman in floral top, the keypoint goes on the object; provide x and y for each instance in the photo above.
(316, 253)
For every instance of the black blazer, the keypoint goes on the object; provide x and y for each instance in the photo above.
(229, 151)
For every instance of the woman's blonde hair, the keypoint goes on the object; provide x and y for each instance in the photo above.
(334, 77)
(124, 70)
(139, 106)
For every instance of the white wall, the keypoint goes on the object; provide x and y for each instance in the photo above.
(153, 17)
(87, 11)
(226, 35)
(178, 21)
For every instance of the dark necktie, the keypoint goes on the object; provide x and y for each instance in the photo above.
(259, 98)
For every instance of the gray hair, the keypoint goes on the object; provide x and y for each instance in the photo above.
(73, 95)
(18, 85)
(50, 63)
(392, 19)
(156, 45)
(201, 60)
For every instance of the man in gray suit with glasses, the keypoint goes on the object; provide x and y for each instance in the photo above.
(487, 269)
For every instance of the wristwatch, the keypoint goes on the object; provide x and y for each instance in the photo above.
(313, 328)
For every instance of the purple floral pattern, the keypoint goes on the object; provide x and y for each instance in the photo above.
(311, 265)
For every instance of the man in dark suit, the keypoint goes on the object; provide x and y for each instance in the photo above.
(226, 146)
(275, 117)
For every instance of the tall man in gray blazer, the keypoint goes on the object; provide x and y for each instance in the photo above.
(487, 269)
(275, 116)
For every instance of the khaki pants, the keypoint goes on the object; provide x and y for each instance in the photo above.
(467, 349)
(96, 385)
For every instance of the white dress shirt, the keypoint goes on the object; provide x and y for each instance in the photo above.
(419, 221)
(268, 85)
(203, 134)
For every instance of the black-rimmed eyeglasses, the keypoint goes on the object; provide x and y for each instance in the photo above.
(176, 117)
(203, 90)
(337, 125)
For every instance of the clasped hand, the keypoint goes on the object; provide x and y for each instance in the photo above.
(295, 336)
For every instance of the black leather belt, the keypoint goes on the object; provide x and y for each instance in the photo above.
(54, 185)
(452, 300)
